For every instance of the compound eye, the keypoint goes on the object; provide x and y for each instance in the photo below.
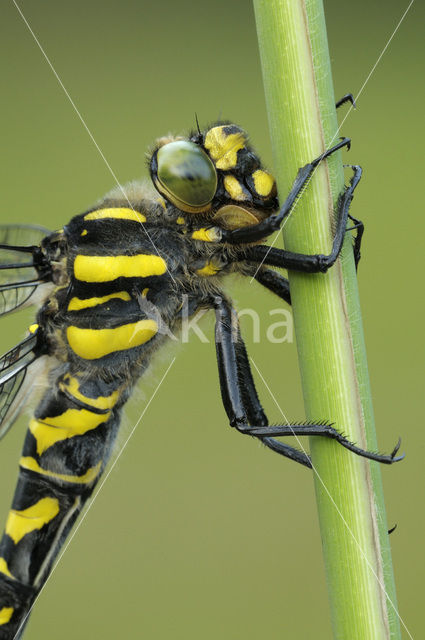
(185, 175)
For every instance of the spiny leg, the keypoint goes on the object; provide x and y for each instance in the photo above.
(254, 408)
(240, 398)
(271, 224)
(314, 263)
(278, 285)
(347, 98)
(359, 226)
(325, 430)
(233, 379)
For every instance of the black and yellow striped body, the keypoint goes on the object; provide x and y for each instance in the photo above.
(98, 327)
(102, 326)
(114, 284)
(66, 447)
(122, 272)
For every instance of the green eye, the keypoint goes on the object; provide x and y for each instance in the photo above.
(186, 175)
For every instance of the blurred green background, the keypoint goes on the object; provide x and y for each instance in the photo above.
(199, 532)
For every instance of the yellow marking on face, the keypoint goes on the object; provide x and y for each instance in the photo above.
(84, 232)
(105, 268)
(33, 328)
(6, 614)
(205, 234)
(223, 147)
(145, 292)
(180, 220)
(208, 270)
(87, 478)
(76, 304)
(263, 182)
(161, 202)
(91, 344)
(72, 386)
(4, 568)
(234, 188)
(20, 523)
(118, 214)
(73, 422)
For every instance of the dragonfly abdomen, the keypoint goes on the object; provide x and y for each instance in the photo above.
(67, 445)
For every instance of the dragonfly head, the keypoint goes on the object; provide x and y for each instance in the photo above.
(214, 172)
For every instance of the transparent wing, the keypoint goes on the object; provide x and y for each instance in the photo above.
(13, 368)
(19, 277)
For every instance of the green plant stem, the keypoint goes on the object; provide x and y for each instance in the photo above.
(300, 100)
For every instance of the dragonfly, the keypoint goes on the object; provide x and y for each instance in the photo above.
(110, 287)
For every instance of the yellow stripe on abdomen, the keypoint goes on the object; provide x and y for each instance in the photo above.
(5, 614)
(32, 465)
(73, 422)
(71, 386)
(75, 304)
(106, 268)
(20, 523)
(4, 568)
(120, 213)
(92, 344)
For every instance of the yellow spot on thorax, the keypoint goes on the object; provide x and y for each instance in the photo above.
(208, 270)
(180, 220)
(106, 268)
(5, 614)
(84, 232)
(73, 422)
(264, 182)
(20, 523)
(120, 213)
(76, 304)
(87, 478)
(91, 344)
(4, 568)
(33, 327)
(72, 386)
(223, 147)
